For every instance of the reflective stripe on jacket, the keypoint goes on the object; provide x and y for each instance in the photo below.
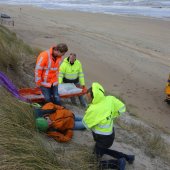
(103, 110)
(46, 70)
(71, 72)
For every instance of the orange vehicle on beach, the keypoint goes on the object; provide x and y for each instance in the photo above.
(167, 91)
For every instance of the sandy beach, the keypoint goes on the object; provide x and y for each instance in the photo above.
(129, 56)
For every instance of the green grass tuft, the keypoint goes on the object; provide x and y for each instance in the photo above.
(21, 146)
(16, 57)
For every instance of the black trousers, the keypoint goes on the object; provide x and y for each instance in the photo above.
(112, 163)
(115, 154)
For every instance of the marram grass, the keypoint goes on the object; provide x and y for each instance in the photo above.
(22, 147)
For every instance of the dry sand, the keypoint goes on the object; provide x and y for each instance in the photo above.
(129, 56)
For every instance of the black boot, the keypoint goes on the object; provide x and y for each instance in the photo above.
(130, 158)
(121, 164)
(113, 164)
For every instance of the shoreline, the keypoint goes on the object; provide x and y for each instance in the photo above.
(139, 10)
(129, 56)
(93, 12)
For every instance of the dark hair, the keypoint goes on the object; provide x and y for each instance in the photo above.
(61, 47)
(74, 54)
(91, 92)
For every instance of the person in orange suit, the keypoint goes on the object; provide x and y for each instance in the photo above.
(46, 72)
(60, 123)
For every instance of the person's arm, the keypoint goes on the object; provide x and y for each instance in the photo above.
(61, 73)
(90, 120)
(81, 76)
(40, 65)
(118, 107)
(61, 137)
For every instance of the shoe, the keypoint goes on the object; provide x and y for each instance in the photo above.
(109, 164)
(103, 165)
(130, 158)
(121, 164)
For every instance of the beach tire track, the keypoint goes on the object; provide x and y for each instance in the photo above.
(107, 38)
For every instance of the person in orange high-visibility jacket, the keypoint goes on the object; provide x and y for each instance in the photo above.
(46, 72)
(60, 123)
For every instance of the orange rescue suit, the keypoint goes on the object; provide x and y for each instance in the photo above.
(46, 70)
(62, 125)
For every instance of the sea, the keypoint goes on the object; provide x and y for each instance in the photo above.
(148, 8)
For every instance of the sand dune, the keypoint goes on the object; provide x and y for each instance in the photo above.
(128, 55)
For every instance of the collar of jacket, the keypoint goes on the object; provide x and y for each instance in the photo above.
(68, 59)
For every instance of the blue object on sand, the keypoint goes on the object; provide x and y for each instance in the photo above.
(5, 16)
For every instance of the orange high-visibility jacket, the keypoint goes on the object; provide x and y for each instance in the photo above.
(62, 125)
(46, 70)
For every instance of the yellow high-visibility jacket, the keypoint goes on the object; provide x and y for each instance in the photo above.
(71, 72)
(100, 115)
(167, 89)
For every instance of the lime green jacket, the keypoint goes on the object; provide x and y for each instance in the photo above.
(71, 72)
(100, 115)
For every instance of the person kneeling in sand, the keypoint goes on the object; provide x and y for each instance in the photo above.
(58, 122)
(99, 118)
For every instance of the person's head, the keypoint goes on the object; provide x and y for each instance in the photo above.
(95, 93)
(42, 124)
(72, 57)
(60, 50)
(89, 95)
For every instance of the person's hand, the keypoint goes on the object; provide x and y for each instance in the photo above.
(38, 84)
(48, 120)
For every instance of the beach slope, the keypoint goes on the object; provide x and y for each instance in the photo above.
(128, 55)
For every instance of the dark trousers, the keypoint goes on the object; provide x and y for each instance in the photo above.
(101, 151)
(51, 94)
(112, 163)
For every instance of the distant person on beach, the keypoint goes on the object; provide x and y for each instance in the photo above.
(46, 72)
(99, 118)
(58, 122)
(71, 72)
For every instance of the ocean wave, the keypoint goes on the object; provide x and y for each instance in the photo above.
(153, 8)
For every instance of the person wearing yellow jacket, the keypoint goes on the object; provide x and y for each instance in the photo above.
(99, 118)
(71, 71)
(167, 91)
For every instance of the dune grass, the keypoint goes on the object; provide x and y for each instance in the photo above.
(22, 147)
(12, 50)
(147, 139)
(15, 55)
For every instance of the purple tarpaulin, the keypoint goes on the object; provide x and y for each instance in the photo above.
(7, 83)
